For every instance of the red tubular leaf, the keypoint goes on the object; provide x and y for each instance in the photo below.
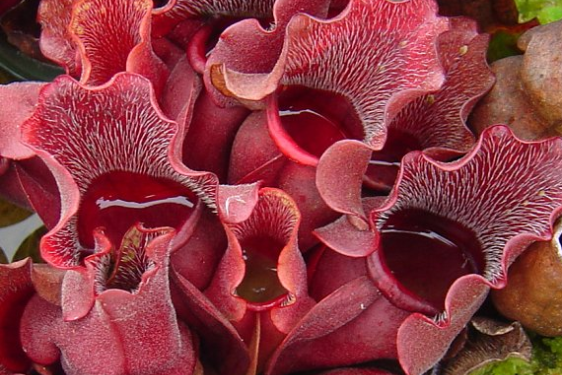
(361, 320)
(491, 204)
(180, 93)
(29, 184)
(275, 220)
(298, 181)
(199, 257)
(176, 11)
(225, 346)
(329, 270)
(16, 289)
(40, 188)
(263, 272)
(399, 59)
(267, 165)
(132, 332)
(79, 145)
(248, 163)
(344, 305)
(222, 123)
(356, 371)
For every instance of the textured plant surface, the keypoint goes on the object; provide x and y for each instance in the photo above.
(545, 11)
(278, 187)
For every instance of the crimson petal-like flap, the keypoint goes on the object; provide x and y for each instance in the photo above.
(47, 281)
(419, 355)
(348, 236)
(397, 45)
(114, 37)
(236, 202)
(339, 176)
(247, 47)
(439, 119)
(83, 133)
(505, 192)
(132, 332)
(56, 41)
(19, 99)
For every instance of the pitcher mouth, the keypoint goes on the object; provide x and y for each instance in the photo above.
(116, 201)
(261, 285)
(265, 243)
(420, 255)
(304, 122)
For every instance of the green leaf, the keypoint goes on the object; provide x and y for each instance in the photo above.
(547, 355)
(503, 44)
(3, 257)
(11, 214)
(546, 360)
(550, 14)
(544, 10)
(30, 247)
(511, 366)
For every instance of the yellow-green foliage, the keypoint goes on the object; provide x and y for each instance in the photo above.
(546, 360)
(545, 11)
(511, 366)
(547, 356)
